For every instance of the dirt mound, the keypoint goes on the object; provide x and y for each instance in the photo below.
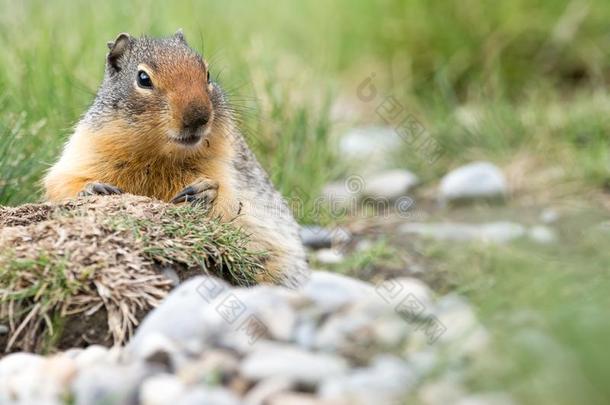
(87, 270)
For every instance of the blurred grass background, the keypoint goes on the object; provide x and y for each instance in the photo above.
(521, 83)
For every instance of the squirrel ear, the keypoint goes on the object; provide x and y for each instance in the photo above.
(180, 35)
(117, 49)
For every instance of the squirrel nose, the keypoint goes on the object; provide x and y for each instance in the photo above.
(195, 117)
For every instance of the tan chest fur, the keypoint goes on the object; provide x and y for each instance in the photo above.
(141, 165)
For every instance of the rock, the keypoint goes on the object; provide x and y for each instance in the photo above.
(423, 362)
(389, 331)
(339, 198)
(180, 316)
(396, 290)
(549, 216)
(271, 308)
(332, 290)
(316, 237)
(30, 379)
(492, 232)
(208, 396)
(440, 392)
(329, 256)
(306, 329)
(369, 147)
(20, 375)
(472, 181)
(109, 384)
(92, 355)
(542, 234)
(460, 327)
(389, 185)
(491, 398)
(261, 393)
(500, 232)
(387, 381)
(276, 360)
(159, 349)
(162, 389)
(343, 330)
(62, 369)
(293, 398)
(216, 363)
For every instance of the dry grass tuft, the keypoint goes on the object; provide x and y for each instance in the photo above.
(103, 254)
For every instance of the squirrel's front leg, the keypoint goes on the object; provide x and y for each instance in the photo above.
(203, 191)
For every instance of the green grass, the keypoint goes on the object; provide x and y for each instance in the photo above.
(182, 238)
(546, 307)
(516, 82)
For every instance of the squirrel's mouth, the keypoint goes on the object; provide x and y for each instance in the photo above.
(188, 139)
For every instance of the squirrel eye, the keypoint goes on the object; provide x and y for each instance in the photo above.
(144, 80)
(208, 77)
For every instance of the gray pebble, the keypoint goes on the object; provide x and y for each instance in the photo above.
(276, 360)
(388, 380)
(472, 181)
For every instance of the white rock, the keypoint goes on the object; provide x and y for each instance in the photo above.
(491, 398)
(344, 329)
(549, 216)
(440, 392)
(180, 316)
(208, 396)
(20, 375)
(272, 307)
(492, 232)
(389, 185)
(329, 256)
(542, 234)
(298, 398)
(339, 198)
(162, 389)
(332, 290)
(500, 232)
(389, 331)
(474, 180)
(424, 361)
(306, 329)
(264, 390)
(215, 362)
(275, 360)
(387, 381)
(92, 355)
(31, 379)
(396, 290)
(109, 384)
(154, 344)
(462, 329)
(370, 146)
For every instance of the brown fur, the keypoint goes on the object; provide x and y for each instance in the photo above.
(137, 151)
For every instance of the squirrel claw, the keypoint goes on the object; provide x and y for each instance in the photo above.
(99, 189)
(201, 192)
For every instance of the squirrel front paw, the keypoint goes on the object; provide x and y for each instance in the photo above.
(200, 192)
(99, 189)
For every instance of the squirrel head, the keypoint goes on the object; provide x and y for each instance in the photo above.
(160, 91)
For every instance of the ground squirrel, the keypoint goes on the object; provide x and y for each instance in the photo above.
(160, 127)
